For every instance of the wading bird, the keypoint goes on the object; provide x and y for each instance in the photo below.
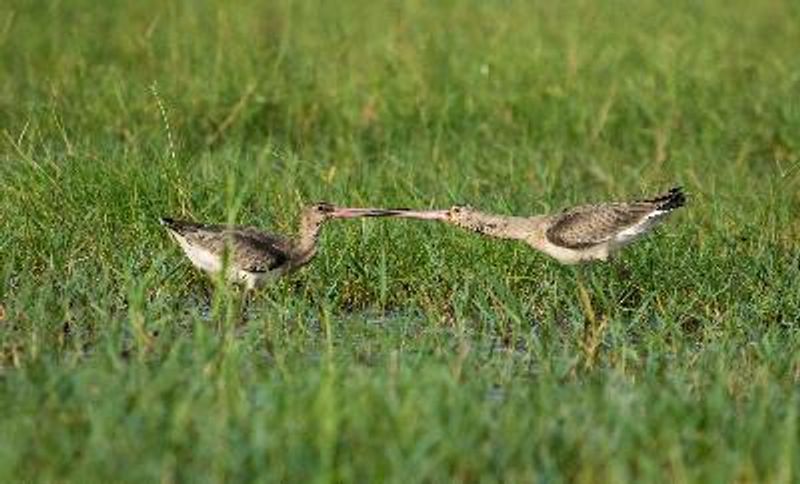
(579, 234)
(255, 256)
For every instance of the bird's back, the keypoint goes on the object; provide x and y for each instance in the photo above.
(251, 250)
(584, 227)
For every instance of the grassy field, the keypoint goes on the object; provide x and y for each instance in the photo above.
(407, 351)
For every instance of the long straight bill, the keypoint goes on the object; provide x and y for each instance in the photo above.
(418, 214)
(395, 212)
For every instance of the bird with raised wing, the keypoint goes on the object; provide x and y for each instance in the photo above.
(578, 234)
(255, 257)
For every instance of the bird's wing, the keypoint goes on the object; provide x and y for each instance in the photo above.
(251, 249)
(588, 225)
(256, 251)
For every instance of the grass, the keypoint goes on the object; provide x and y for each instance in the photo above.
(406, 351)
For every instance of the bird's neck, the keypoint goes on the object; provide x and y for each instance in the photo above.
(499, 226)
(306, 243)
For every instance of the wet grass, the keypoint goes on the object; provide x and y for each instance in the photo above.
(406, 351)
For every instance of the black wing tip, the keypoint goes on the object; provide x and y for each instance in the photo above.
(174, 225)
(673, 199)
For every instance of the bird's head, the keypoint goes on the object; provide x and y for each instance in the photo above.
(460, 214)
(319, 212)
(314, 215)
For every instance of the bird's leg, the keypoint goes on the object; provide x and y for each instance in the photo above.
(594, 327)
(623, 273)
(236, 304)
(583, 296)
(620, 268)
(248, 300)
(208, 292)
(242, 301)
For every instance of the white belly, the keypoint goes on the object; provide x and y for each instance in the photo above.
(574, 256)
(637, 231)
(201, 258)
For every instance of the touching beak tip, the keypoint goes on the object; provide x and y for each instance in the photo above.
(401, 213)
(421, 215)
(359, 212)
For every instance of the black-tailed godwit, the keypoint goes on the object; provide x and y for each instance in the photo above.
(578, 234)
(256, 256)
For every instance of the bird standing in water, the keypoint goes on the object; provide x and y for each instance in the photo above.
(579, 234)
(255, 256)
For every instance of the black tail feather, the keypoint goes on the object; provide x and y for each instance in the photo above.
(179, 226)
(169, 222)
(674, 198)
